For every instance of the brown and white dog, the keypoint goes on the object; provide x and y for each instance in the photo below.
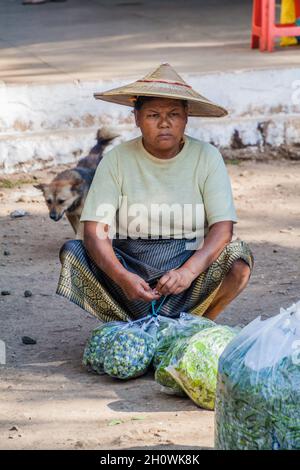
(67, 191)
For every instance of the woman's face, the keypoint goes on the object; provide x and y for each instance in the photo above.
(162, 122)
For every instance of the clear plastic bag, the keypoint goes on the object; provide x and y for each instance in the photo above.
(195, 370)
(184, 327)
(162, 376)
(125, 350)
(131, 349)
(94, 351)
(258, 392)
(122, 350)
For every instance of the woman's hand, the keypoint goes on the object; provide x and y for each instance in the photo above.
(175, 281)
(135, 288)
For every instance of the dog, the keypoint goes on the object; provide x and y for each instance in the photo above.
(104, 137)
(66, 193)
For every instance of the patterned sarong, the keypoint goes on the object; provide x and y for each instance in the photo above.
(84, 283)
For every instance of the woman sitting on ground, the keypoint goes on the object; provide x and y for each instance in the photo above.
(158, 218)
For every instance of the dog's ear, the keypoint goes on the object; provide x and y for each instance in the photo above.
(40, 186)
(76, 184)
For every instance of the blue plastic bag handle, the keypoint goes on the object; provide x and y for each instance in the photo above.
(154, 311)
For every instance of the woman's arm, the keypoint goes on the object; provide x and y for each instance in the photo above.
(219, 235)
(99, 246)
(176, 281)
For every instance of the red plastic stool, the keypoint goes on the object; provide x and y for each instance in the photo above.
(264, 28)
(259, 25)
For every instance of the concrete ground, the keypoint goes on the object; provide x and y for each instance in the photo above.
(103, 39)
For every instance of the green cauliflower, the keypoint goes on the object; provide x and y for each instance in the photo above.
(196, 370)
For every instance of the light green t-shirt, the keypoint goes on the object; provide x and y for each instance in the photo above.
(193, 188)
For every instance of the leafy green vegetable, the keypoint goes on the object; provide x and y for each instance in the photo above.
(196, 369)
(114, 422)
(138, 418)
(162, 376)
(186, 326)
(258, 391)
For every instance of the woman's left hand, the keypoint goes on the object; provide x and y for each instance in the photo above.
(174, 281)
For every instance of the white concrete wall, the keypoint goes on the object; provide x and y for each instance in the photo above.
(42, 125)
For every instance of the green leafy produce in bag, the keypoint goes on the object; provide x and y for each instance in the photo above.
(186, 326)
(196, 370)
(258, 391)
(162, 376)
(94, 352)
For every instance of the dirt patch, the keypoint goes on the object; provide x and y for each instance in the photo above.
(48, 399)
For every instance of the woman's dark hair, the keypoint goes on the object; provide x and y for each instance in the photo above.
(143, 99)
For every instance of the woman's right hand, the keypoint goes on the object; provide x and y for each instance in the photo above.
(135, 288)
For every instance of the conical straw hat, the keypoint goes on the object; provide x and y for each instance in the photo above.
(164, 82)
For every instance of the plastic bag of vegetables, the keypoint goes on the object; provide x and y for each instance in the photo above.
(124, 349)
(172, 342)
(258, 392)
(185, 326)
(131, 350)
(94, 352)
(162, 375)
(195, 371)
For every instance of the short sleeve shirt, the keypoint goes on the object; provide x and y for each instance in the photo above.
(132, 186)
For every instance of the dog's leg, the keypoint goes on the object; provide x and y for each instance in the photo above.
(74, 221)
